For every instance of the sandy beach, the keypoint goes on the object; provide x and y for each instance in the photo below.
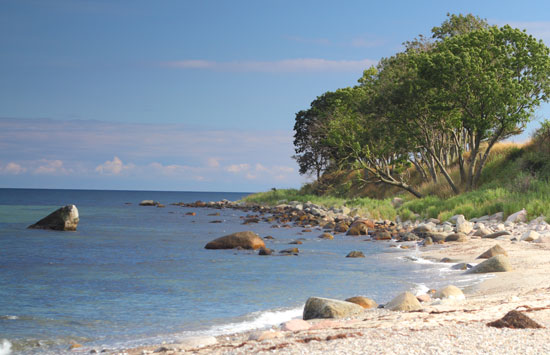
(441, 327)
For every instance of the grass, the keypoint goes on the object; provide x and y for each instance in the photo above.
(515, 177)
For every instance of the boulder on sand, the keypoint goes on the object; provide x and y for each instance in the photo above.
(63, 219)
(495, 250)
(404, 302)
(317, 307)
(498, 263)
(245, 240)
(450, 292)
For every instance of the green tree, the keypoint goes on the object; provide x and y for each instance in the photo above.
(496, 77)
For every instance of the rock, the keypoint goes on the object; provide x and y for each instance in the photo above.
(404, 302)
(326, 236)
(196, 342)
(75, 346)
(290, 251)
(424, 298)
(409, 237)
(482, 231)
(495, 250)
(530, 236)
(245, 240)
(520, 216)
(265, 251)
(191, 214)
(464, 227)
(269, 237)
(456, 219)
(422, 230)
(325, 324)
(357, 228)
(456, 237)
(62, 219)
(265, 335)
(382, 235)
(294, 325)
(341, 227)
(437, 237)
(355, 254)
(428, 241)
(317, 307)
(148, 203)
(450, 292)
(515, 320)
(496, 234)
(297, 242)
(461, 266)
(364, 302)
(498, 263)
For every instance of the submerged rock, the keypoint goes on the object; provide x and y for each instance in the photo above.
(317, 307)
(64, 219)
(245, 240)
(355, 254)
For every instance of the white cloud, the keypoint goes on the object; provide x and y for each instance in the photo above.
(12, 169)
(213, 163)
(279, 66)
(113, 167)
(237, 168)
(51, 167)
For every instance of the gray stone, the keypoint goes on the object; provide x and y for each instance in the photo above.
(63, 219)
(450, 292)
(520, 216)
(456, 237)
(317, 307)
(498, 263)
(495, 250)
(496, 234)
(148, 203)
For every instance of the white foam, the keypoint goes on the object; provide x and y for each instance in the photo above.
(5, 347)
(260, 320)
(420, 289)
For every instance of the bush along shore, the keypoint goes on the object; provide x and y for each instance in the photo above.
(492, 318)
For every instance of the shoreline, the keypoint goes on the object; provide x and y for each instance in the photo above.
(456, 322)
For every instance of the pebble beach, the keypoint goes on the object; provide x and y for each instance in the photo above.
(454, 325)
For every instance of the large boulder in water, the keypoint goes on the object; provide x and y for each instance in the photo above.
(63, 219)
(317, 307)
(245, 240)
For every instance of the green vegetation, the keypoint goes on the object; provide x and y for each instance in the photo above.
(432, 113)
(516, 177)
(427, 125)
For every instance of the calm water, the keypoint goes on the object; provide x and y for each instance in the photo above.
(134, 275)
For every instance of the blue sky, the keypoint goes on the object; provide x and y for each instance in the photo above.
(190, 95)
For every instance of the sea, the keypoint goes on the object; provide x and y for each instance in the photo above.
(133, 275)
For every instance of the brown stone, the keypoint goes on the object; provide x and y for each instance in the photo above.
(515, 320)
(245, 240)
(364, 302)
(495, 250)
(326, 236)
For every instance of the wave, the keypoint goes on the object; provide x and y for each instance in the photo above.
(5, 347)
(259, 320)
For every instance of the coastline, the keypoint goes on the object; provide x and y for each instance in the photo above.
(457, 326)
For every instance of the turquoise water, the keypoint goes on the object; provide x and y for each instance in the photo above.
(135, 275)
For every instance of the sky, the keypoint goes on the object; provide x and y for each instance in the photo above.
(192, 95)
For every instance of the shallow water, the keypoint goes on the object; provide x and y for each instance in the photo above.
(134, 275)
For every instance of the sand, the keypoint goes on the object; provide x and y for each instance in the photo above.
(450, 327)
